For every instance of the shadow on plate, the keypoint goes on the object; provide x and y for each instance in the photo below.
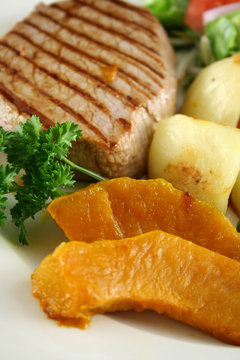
(43, 234)
(43, 237)
(160, 325)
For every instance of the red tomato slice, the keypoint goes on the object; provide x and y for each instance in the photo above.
(196, 8)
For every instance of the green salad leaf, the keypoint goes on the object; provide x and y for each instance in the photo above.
(170, 13)
(223, 34)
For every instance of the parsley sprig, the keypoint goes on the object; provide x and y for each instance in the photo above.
(47, 170)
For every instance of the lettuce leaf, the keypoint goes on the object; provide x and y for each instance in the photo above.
(224, 35)
(170, 13)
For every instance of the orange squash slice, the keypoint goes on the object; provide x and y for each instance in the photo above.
(155, 271)
(125, 207)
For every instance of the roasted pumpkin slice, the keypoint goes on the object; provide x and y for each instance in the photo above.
(155, 271)
(125, 207)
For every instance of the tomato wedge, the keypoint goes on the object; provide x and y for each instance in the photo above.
(196, 8)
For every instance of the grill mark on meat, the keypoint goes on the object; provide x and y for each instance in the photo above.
(127, 57)
(123, 53)
(131, 131)
(150, 115)
(64, 107)
(22, 106)
(125, 124)
(146, 49)
(125, 75)
(140, 27)
(99, 61)
(75, 88)
(130, 101)
(127, 100)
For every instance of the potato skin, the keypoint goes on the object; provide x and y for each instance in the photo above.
(214, 94)
(200, 157)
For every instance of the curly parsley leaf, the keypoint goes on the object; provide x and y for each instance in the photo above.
(21, 144)
(62, 135)
(43, 156)
(7, 175)
(1, 139)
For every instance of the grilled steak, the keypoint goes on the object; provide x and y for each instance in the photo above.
(106, 65)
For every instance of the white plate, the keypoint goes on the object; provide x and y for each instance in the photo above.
(26, 333)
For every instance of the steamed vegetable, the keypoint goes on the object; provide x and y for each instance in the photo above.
(214, 94)
(200, 157)
(155, 271)
(130, 207)
(42, 155)
(235, 198)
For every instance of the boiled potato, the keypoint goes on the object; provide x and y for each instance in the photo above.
(196, 156)
(214, 94)
(235, 196)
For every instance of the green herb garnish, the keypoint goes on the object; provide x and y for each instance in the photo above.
(42, 154)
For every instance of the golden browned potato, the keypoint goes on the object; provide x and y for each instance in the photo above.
(200, 157)
(214, 94)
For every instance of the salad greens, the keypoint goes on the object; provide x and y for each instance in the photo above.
(170, 13)
(224, 35)
(42, 157)
(220, 37)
